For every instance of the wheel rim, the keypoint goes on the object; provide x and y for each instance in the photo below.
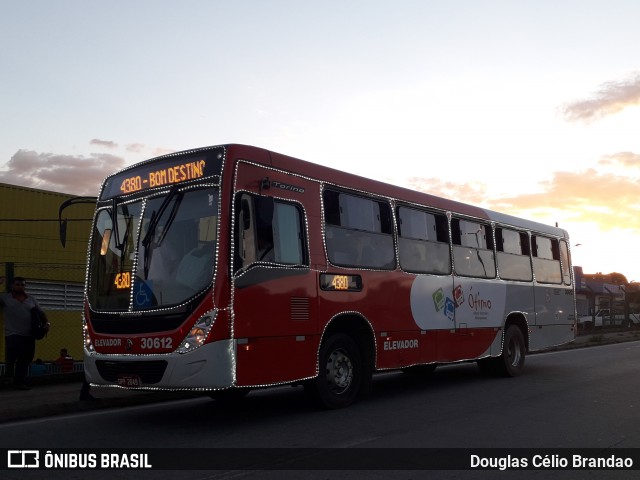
(514, 352)
(339, 371)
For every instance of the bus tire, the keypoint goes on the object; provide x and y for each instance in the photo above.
(339, 373)
(510, 363)
(513, 352)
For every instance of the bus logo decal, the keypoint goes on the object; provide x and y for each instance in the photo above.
(438, 299)
(449, 309)
(286, 186)
(458, 296)
(400, 344)
(108, 342)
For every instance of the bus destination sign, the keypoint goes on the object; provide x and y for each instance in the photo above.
(164, 176)
(169, 171)
(336, 283)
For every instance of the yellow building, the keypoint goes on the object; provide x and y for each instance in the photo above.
(30, 247)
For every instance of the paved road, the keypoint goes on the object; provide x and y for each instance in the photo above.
(59, 395)
(582, 398)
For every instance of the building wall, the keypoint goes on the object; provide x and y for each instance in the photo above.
(30, 247)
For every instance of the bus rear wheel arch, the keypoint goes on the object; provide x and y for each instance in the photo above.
(510, 363)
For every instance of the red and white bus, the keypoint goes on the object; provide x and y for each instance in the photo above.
(231, 267)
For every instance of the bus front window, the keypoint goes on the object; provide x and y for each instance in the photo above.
(160, 252)
(112, 253)
(176, 249)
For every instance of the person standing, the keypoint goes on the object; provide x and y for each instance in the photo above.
(65, 361)
(20, 344)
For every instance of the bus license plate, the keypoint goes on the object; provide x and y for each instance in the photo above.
(129, 381)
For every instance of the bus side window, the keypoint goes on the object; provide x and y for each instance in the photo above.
(245, 248)
(268, 231)
(264, 209)
(513, 255)
(358, 231)
(472, 249)
(423, 241)
(566, 268)
(546, 259)
(288, 238)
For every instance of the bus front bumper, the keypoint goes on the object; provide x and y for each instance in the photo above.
(210, 367)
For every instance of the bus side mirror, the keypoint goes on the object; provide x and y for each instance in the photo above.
(63, 223)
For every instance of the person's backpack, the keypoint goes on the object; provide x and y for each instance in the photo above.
(39, 323)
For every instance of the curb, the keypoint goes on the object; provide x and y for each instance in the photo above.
(40, 411)
(596, 338)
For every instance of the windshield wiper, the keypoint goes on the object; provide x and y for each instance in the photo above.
(147, 241)
(125, 238)
(121, 246)
(172, 217)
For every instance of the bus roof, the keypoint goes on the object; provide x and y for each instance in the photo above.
(356, 182)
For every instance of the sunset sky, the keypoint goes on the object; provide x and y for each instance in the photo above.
(531, 108)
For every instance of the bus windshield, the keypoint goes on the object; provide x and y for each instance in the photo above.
(153, 252)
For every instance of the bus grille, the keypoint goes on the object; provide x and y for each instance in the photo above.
(149, 372)
(299, 308)
(111, 324)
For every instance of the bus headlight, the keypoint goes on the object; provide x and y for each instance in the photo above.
(198, 333)
(88, 344)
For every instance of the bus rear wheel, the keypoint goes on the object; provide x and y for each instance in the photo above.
(340, 373)
(513, 351)
(511, 362)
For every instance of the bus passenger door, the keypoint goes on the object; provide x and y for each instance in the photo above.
(274, 291)
(553, 291)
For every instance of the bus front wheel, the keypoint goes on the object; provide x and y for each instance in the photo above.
(340, 373)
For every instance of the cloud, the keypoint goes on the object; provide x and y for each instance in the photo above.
(611, 98)
(78, 175)
(623, 159)
(135, 147)
(587, 186)
(73, 174)
(104, 143)
(607, 200)
(472, 192)
(157, 152)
